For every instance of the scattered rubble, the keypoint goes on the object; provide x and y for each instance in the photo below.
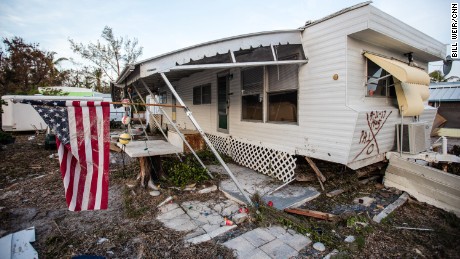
(319, 246)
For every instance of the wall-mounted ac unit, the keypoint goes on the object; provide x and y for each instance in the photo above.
(415, 136)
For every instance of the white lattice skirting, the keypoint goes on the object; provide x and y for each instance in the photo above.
(265, 160)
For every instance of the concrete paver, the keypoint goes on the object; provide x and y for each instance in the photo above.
(200, 218)
(258, 237)
(278, 249)
(272, 242)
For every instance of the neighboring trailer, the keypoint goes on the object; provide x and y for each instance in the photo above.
(333, 90)
(23, 117)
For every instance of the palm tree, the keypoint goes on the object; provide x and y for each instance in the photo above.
(437, 76)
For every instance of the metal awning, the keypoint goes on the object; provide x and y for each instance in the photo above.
(411, 84)
(400, 70)
(237, 64)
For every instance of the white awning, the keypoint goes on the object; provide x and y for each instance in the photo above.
(411, 84)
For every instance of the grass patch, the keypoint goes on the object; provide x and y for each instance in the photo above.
(129, 204)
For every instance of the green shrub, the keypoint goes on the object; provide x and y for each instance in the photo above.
(183, 173)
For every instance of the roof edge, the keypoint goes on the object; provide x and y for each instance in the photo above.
(216, 41)
(345, 10)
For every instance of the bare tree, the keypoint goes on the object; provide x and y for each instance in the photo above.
(110, 54)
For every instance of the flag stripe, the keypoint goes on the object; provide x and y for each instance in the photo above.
(105, 140)
(80, 138)
(86, 149)
(94, 156)
(101, 174)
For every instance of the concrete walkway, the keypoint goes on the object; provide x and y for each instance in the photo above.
(253, 182)
(204, 220)
(272, 242)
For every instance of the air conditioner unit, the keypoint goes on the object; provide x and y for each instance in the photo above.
(415, 137)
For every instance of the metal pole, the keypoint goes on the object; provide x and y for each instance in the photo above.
(401, 131)
(197, 126)
(155, 120)
(180, 133)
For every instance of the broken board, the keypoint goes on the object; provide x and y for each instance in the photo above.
(426, 184)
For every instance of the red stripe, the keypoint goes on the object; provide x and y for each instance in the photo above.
(71, 172)
(95, 155)
(81, 156)
(106, 139)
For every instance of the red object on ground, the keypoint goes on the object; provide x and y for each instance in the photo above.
(270, 203)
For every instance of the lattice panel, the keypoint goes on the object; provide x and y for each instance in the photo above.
(274, 163)
(268, 161)
(153, 126)
(221, 144)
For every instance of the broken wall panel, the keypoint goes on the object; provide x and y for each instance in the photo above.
(426, 184)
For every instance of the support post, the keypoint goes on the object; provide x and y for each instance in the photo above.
(154, 119)
(208, 142)
(178, 132)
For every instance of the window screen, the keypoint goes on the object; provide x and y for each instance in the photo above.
(283, 77)
(252, 80)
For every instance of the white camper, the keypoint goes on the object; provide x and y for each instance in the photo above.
(23, 117)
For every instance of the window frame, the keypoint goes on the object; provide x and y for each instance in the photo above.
(387, 77)
(260, 95)
(201, 88)
(296, 122)
(264, 96)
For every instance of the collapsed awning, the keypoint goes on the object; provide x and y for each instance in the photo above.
(411, 84)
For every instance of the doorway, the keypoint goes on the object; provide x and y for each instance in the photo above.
(223, 103)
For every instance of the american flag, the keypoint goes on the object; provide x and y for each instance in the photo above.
(83, 143)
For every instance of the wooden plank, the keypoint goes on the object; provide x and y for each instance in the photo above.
(315, 168)
(390, 208)
(311, 213)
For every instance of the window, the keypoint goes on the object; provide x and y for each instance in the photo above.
(283, 83)
(202, 94)
(252, 84)
(379, 82)
(163, 98)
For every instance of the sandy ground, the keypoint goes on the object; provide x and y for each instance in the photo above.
(31, 194)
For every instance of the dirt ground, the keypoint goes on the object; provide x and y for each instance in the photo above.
(31, 194)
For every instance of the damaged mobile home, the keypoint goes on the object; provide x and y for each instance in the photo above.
(333, 90)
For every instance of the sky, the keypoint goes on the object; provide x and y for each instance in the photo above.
(162, 26)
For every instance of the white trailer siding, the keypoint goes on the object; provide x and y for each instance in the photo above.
(335, 118)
